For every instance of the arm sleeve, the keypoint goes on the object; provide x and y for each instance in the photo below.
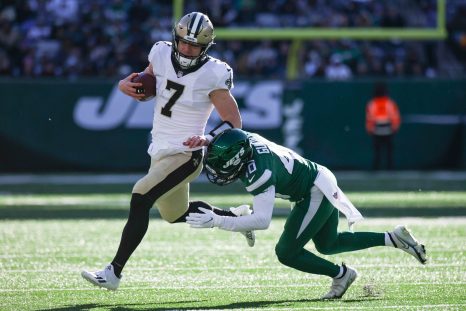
(259, 220)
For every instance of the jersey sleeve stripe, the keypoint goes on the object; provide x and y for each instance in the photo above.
(262, 180)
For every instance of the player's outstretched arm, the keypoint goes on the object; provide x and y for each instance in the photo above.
(260, 220)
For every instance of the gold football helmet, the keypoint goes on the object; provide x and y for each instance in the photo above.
(194, 28)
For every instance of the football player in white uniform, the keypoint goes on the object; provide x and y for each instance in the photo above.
(189, 85)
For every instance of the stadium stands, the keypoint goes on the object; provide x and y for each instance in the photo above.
(110, 38)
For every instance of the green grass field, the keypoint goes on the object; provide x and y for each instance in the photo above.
(115, 205)
(43, 250)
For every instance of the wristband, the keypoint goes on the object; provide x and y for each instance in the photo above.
(209, 137)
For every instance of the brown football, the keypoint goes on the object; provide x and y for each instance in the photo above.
(148, 85)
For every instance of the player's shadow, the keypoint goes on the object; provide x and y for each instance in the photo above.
(158, 306)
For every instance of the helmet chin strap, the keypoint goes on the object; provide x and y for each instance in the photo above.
(186, 62)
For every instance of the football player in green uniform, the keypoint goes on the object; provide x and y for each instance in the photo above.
(267, 171)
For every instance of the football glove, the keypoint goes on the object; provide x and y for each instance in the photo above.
(206, 219)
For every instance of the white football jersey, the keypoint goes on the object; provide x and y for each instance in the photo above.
(182, 103)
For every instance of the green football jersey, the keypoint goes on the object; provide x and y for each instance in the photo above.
(275, 165)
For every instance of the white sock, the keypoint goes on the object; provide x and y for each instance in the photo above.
(340, 274)
(388, 241)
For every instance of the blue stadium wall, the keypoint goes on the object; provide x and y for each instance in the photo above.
(89, 126)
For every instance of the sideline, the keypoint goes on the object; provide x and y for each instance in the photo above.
(130, 178)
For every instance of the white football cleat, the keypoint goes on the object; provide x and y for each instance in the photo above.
(402, 238)
(341, 285)
(243, 210)
(105, 278)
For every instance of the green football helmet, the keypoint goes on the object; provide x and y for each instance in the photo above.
(227, 156)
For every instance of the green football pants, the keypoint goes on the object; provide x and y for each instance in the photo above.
(315, 218)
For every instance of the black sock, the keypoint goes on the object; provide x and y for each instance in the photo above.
(134, 231)
(117, 268)
(194, 208)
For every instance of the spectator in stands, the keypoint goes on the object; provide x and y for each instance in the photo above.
(313, 64)
(337, 70)
(263, 59)
(457, 32)
(382, 123)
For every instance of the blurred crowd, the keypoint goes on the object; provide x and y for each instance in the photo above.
(111, 38)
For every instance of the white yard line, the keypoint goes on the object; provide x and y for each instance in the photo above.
(200, 287)
(396, 307)
(230, 268)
